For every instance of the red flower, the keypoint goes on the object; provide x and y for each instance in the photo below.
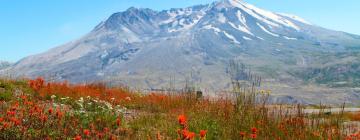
(37, 84)
(112, 137)
(5, 125)
(187, 134)
(203, 133)
(190, 135)
(87, 132)
(182, 119)
(16, 121)
(158, 136)
(59, 114)
(184, 132)
(100, 135)
(50, 110)
(106, 129)
(1, 119)
(253, 136)
(254, 130)
(11, 113)
(179, 131)
(23, 97)
(242, 134)
(77, 137)
(118, 121)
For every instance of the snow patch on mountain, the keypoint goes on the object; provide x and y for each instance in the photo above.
(104, 54)
(241, 18)
(210, 27)
(267, 31)
(246, 38)
(217, 31)
(297, 18)
(231, 37)
(221, 18)
(241, 28)
(185, 26)
(289, 38)
(260, 38)
(172, 18)
(263, 15)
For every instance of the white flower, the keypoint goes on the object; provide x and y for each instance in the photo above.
(108, 105)
(53, 96)
(128, 98)
(81, 100)
(120, 109)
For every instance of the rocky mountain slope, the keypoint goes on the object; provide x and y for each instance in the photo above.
(149, 49)
(4, 64)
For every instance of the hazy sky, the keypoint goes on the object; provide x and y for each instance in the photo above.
(32, 26)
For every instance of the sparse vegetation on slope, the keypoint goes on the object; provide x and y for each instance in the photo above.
(343, 71)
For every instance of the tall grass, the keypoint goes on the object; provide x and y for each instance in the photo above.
(43, 110)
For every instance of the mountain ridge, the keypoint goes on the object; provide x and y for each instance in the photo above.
(4, 64)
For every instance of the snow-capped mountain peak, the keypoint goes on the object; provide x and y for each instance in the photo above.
(185, 19)
(143, 47)
(297, 18)
(268, 17)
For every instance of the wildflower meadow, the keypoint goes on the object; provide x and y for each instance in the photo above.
(36, 109)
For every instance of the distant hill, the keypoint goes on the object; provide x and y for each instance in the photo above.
(4, 64)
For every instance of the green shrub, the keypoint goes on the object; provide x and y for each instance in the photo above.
(5, 96)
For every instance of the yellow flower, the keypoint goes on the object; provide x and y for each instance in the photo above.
(262, 91)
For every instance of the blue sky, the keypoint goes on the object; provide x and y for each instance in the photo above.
(33, 26)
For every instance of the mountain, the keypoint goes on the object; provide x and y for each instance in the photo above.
(4, 64)
(149, 49)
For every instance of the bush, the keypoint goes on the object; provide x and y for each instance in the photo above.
(5, 96)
